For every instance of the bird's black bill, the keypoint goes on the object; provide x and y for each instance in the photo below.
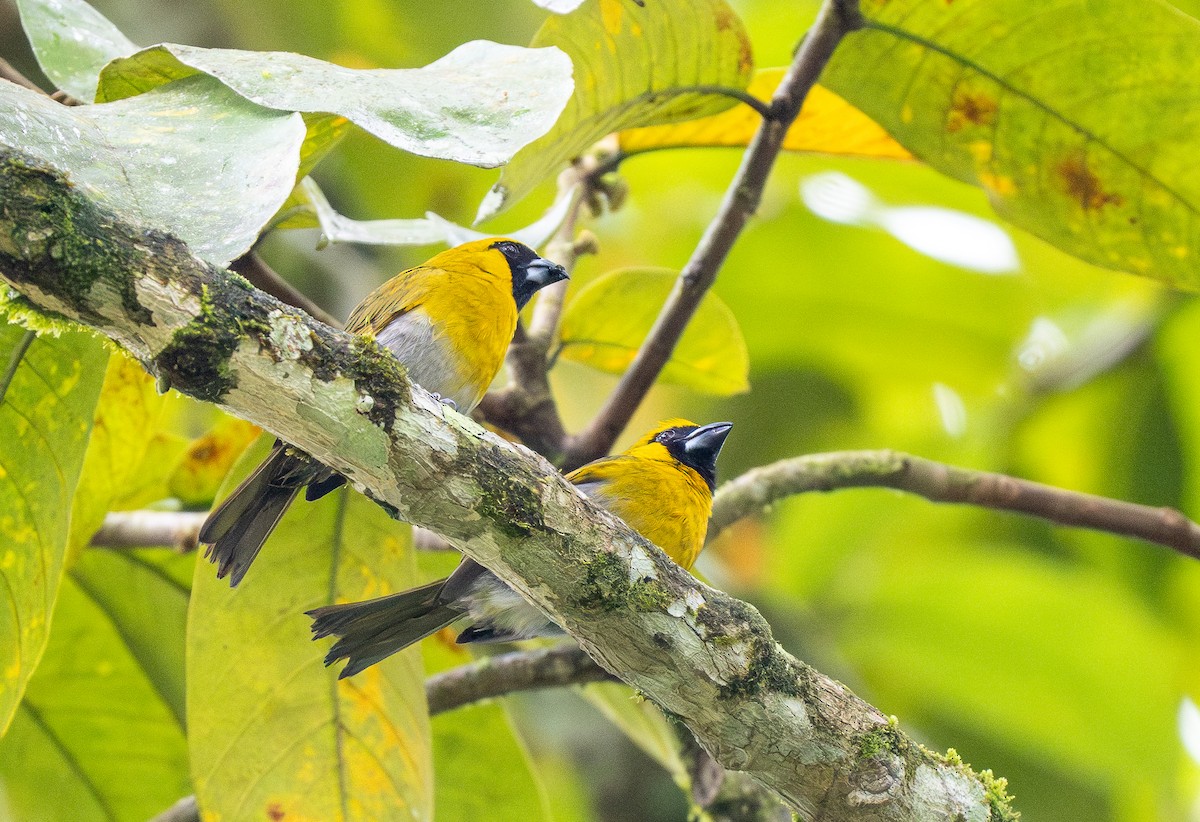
(701, 447)
(532, 275)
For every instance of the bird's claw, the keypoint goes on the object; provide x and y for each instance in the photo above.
(445, 400)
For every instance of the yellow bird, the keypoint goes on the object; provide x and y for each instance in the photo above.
(449, 321)
(662, 487)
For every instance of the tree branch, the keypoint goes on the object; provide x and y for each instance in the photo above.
(696, 652)
(835, 20)
(150, 529)
(760, 487)
(508, 673)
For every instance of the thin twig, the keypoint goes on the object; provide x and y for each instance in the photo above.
(9, 72)
(251, 266)
(14, 362)
(836, 19)
(935, 481)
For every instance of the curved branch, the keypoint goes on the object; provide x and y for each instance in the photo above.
(937, 482)
(836, 19)
(508, 673)
(696, 652)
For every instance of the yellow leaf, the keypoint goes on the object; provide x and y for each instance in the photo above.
(827, 125)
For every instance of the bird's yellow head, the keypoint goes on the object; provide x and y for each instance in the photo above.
(696, 446)
(502, 257)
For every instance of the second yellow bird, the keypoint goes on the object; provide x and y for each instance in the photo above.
(662, 487)
(449, 321)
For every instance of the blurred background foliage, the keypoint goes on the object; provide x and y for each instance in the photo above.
(1063, 660)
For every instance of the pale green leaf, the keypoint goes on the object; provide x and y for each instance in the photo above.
(192, 158)
(1077, 117)
(479, 104)
(271, 729)
(47, 397)
(605, 323)
(100, 733)
(635, 65)
(643, 723)
(72, 42)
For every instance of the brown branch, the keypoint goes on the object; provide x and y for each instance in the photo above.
(9, 72)
(262, 276)
(150, 529)
(937, 482)
(836, 19)
(508, 673)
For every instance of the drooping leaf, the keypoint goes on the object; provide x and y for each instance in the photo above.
(635, 65)
(1088, 146)
(72, 42)
(272, 731)
(99, 736)
(308, 208)
(643, 723)
(47, 394)
(479, 104)
(827, 125)
(191, 158)
(605, 323)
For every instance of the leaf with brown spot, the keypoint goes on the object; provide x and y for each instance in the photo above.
(1079, 118)
(827, 125)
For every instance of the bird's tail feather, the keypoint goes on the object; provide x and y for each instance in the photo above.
(374, 630)
(241, 524)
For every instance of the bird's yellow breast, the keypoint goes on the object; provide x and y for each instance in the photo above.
(657, 496)
(466, 316)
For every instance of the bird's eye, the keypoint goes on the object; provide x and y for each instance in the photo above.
(507, 249)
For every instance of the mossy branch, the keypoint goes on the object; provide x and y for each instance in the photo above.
(698, 653)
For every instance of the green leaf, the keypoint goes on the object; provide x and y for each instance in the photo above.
(191, 158)
(46, 402)
(636, 64)
(481, 767)
(1000, 642)
(272, 731)
(605, 323)
(102, 721)
(72, 42)
(479, 104)
(128, 416)
(643, 723)
(1088, 146)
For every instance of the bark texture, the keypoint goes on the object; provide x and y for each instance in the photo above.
(698, 653)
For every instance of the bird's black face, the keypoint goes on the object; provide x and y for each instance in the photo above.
(697, 447)
(529, 271)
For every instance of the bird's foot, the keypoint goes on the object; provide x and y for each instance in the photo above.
(445, 400)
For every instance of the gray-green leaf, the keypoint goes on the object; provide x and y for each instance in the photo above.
(72, 42)
(191, 158)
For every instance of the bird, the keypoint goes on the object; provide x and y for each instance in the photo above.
(449, 321)
(662, 487)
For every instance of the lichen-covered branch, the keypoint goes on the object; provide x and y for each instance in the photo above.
(835, 20)
(760, 487)
(508, 673)
(700, 654)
